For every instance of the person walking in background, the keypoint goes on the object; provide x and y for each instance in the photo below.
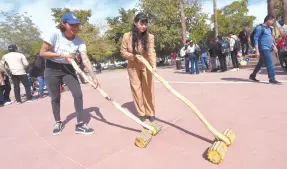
(264, 45)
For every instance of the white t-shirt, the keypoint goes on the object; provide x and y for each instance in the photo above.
(61, 44)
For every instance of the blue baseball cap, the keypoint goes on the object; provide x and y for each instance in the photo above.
(70, 18)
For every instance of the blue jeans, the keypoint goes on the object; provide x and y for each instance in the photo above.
(42, 83)
(194, 62)
(204, 60)
(266, 58)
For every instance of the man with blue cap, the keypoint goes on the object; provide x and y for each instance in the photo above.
(58, 49)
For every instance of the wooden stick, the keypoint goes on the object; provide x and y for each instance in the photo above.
(117, 105)
(217, 134)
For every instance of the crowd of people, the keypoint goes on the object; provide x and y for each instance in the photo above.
(261, 40)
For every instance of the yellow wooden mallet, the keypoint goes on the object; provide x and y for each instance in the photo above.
(217, 151)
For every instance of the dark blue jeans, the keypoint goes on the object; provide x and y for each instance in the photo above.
(186, 61)
(266, 58)
(194, 62)
(42, 84)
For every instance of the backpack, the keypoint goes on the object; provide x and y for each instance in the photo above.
(253, 33)
(236, 45)
(224, 47)
(203, 47)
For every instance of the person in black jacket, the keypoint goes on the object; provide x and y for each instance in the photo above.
(244, 37)
(213, 55)
(38, 72)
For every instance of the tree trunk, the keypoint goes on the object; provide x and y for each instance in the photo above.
(182, 18)
(215, 19)
(271, 7)
(284, 10)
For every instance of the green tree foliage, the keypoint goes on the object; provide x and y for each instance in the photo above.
(83, 15)
(234, 17)
(164, 23)
(118, 26)
(279, 10)
(19, 29)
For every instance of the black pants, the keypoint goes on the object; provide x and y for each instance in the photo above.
(234, 59)
(55, 74)
(16, 79)
(5, 92)
(243, 45)
(222, 61)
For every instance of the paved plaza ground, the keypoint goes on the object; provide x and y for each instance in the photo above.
(255, 111)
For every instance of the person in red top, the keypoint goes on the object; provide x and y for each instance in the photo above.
(173, 57)
(282, 51)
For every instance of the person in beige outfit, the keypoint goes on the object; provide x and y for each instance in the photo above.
(140, 43)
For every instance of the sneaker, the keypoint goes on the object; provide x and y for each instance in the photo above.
(273, 81)
(7, 103)
(253, 78)
(84, 129)
(19, 102)
(58, 127)
(233, 70)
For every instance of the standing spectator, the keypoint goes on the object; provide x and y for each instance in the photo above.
(17, 62)
(213, 55)
(234, 47)
(5, 88)
(184, 52)
(204, 55)
(264, 46)
(222, 50)
(244, 37)
(38, 72)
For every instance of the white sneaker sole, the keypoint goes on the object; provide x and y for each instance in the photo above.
(81, 132)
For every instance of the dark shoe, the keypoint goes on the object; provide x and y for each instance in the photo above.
(84, 129)
(273, 81)
(58, 127)
(152, 119)
(253, 78)
(142, 118)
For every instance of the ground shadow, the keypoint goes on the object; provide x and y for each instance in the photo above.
(87, 117)
(232, 79)
(186, 73)
(130, 106)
